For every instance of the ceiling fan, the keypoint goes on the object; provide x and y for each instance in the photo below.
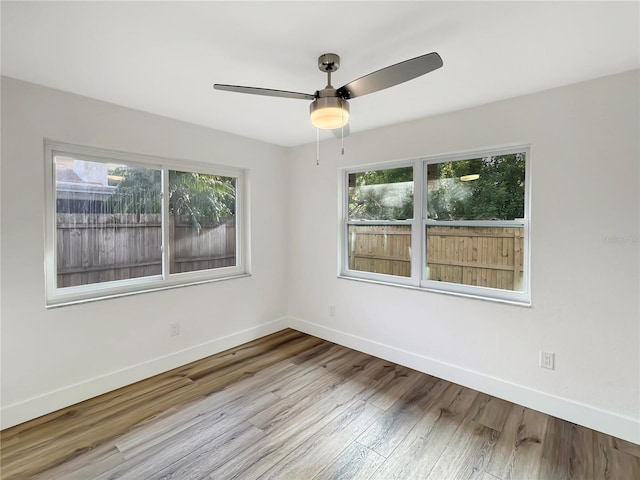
(329, 108)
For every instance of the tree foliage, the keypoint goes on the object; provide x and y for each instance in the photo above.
(379, 177)
(202, 198)
(381, 194)
(489, 188)
(496, 194)
(138, 190)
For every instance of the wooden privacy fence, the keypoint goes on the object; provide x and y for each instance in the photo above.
(483, 256)
(380, 249)
(95, 248)
(213, 247)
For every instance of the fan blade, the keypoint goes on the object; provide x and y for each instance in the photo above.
(337, 132)
(390, 76)
(264, 91)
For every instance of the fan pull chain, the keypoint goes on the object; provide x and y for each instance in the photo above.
(342, 130)
(317, 146)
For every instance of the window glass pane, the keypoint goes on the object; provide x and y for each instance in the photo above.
(202, 210)
(489, 188)
(382, 249)
(108, 222)
(484, 256)
(381, 194)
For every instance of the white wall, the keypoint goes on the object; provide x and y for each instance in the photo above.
(56, 357)
(585, 257)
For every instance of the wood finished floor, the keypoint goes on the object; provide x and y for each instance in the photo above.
(292, 406)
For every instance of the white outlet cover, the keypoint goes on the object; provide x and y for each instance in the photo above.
(548, 360)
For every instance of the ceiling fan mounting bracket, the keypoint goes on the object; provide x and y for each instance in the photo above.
(329, 62)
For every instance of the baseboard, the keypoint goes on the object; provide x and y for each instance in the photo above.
(627, 428)
(29, 409)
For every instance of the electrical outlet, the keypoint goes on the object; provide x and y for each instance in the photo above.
(332, 310)
(174, 329)
(548, 360)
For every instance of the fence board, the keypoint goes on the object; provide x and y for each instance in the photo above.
(96, 248)
(482, 256)
(381, 249)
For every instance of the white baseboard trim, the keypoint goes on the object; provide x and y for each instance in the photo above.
(31, 408)
(627, 428)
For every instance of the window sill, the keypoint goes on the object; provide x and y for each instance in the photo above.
(526, 304)
(61, 302)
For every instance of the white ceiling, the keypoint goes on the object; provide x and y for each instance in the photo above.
(163, 57)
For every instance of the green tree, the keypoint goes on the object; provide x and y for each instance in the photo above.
(203, 198)
(496, 194)
(138, 190)
(378, 177)
(381, 194)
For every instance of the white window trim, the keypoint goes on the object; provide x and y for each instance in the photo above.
(418, 279)
(98, 291)
(414, 223)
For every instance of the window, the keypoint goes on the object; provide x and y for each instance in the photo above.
(466, 232)
(380, 205)
(119, 223)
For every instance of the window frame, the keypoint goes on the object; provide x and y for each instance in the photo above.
(413, 223)
(420, 222)
(58, 296)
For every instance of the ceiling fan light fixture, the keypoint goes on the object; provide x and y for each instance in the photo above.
(328, 113)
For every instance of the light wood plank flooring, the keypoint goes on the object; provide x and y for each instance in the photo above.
(292, 406)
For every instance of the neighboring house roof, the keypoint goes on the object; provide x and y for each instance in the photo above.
(66, 174)
(69, 186)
